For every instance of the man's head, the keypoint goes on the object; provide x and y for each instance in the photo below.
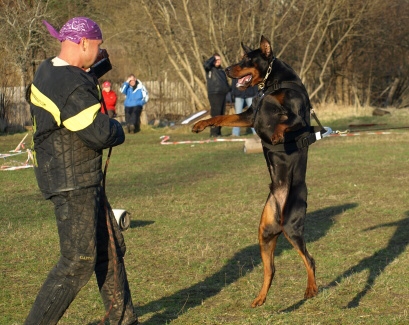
(80, 39)
(132, 79)
(75, 29)
(218, 60)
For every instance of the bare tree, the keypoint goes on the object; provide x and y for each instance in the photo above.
(346, 51)
(23, 34)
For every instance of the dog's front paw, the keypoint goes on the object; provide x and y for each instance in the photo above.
(278, 135)
(277, 138)
(200, 126)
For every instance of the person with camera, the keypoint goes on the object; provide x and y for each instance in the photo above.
(217, 89)
(135, 93)
(70, 134)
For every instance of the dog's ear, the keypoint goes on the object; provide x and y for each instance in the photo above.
(246, 48)
(265, 47)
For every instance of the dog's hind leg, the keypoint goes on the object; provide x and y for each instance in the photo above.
(268, 233)
(293, 229)
(299, 244)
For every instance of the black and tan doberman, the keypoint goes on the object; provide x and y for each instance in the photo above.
(280, 114)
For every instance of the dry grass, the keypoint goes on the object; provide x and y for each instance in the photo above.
(332, 111)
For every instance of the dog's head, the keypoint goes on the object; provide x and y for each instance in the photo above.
(253, 67)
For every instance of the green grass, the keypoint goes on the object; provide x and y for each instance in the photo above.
(192, 251)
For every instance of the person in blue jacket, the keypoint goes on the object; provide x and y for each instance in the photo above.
(134, 90)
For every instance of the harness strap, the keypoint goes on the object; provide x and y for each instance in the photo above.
(272, 87)
(306, 136)
(286, 84)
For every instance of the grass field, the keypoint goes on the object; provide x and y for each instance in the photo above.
(192, 250)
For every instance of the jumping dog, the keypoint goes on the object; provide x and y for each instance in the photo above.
(280, 114)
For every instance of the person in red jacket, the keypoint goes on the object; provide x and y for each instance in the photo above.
(109, 99)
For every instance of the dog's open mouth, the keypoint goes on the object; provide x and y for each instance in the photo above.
(245, 81)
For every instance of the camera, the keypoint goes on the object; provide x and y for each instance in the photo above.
(102, 64)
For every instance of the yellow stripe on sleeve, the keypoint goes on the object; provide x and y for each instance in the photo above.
(37, 98)
(83, 119)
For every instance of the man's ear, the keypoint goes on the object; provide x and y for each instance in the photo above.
(84, 43)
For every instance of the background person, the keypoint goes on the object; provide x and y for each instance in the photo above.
(241, 100)
(217, 89)
(134, 101)
(110, 99)
(70, 134)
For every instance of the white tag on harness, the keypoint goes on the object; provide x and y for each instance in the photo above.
(318, 135)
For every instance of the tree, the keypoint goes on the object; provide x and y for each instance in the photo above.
(346, 51)
(23, 36)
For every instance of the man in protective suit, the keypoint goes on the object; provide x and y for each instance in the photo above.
(70, 134)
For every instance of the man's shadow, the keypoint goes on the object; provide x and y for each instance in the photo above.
(374, 264)
(171, 307)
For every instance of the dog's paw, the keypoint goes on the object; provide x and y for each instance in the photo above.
(199, 126)
(260, 300)
(278, 134)
(277, 138)
(311, 292)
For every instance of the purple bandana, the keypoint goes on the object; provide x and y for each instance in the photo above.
(75, 29)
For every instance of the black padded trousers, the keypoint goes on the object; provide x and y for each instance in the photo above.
(84, 249)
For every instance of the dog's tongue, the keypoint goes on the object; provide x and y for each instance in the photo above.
(243, 80)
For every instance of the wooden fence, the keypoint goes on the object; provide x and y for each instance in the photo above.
(14, 110)
(168, 100)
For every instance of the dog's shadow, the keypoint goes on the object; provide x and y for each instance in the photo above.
(171, 307)
(374, 264)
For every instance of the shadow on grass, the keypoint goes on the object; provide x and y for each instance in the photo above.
(374, 264)
(377, 263)
(171, 307)
(140, 223)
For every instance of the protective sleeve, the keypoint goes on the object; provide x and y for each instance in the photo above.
(82, 115)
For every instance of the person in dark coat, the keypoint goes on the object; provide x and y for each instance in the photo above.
(217, 89)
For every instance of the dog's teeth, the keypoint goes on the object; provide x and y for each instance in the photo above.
(242, 81)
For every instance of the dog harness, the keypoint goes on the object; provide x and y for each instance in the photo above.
(297, 139)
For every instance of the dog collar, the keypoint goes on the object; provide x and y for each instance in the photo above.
(261, 85)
